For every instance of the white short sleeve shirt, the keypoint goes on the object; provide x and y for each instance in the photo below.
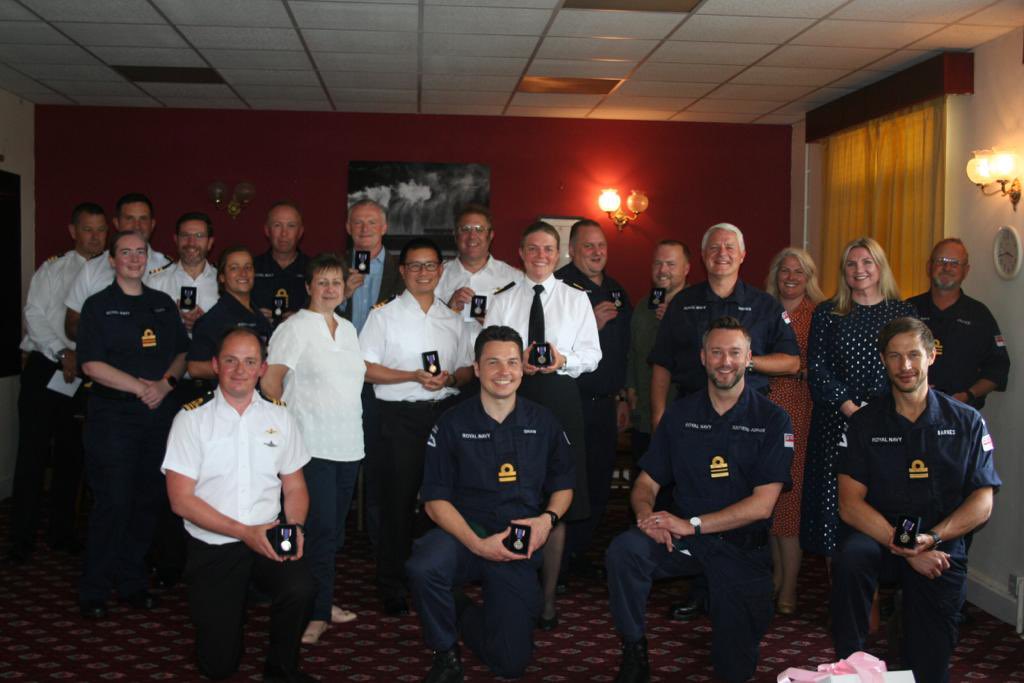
(493, 276)
(172, 278)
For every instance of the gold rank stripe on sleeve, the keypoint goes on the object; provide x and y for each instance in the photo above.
(507, 287)
(192, 405)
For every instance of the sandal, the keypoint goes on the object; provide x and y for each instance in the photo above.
(313, 631)
(341, 616)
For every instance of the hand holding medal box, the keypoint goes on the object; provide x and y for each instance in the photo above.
(362, 262)
(657, 298)
(431, 363)
(518, 539)
(284, 539)
(540, 355)
(187, 302)
(907, 529)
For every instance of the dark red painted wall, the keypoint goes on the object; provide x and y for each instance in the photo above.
(695, 174)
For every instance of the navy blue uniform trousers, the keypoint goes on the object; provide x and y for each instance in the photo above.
(931, 607)
(501, 632)
(740, 582)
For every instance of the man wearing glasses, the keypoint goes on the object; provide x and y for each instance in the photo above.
(417, 352)
(475, 273)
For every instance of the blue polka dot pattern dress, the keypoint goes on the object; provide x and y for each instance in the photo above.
(843, 364)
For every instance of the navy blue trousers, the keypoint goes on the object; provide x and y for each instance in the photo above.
(330, 486)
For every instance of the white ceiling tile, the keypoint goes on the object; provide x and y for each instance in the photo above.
(203, 103)
(288, 105)
(606, 112)
(113, 101)
(740, 29)
(747, 91)
(835, 33)
(579, 22)
(122, 35)
(526, 4)
(372, 95)
(961, 37)
(386, 42)
(370, 108)
(567, 68)
(735, 106)
(257, 59)
(491, 66)
(934, 11)
(686, 73)
(14, 81)
(268, 77)
(45, 54)
(30, 33)
(356, 16)
(280, 92)
(694, 52)
(527, 99)
(341, 61)
(266, 13)
(617, 101)
(795, 108)
(485, 20)
(457, 97)
(76, 88)
(822, 95)
(859, 79)
(810, 9)
(449, 82)
(779, 119)
(898, 61)
(148, 56)
(825, 57)
(549, 112)
(463, 109)
(664, 89)
(713, 117)
(435, 44)
(99, 11)
(594, 48)
(188, 90)
(225, 37)
(67, 72)
(47, 98)
(1005, 13)
(9, 11)
(784, 75)
(362, 79)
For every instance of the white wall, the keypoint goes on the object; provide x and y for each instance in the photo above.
(993, 116)
(17, 145)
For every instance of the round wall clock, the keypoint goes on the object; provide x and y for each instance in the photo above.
(1006, 252)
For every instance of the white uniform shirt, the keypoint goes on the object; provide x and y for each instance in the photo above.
(97, 275)
(493, 276)
(44, 306)
(569, 321)
(171, 278)
(323, 384)
(235, 459)
(397, 334)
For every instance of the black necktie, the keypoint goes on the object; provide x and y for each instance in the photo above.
(537, 316)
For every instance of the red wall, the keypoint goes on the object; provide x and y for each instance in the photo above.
(695, 174)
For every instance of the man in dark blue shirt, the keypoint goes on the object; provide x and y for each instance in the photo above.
(920, 455)
(727, 450)
(280, 286)
(491, 462)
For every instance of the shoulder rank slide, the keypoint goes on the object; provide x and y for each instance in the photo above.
(507, 287)
(576, 285)
(384, 303)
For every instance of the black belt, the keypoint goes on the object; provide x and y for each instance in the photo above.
(599, 397)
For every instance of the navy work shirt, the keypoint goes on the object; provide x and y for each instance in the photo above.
(717, 460)
(226, 314)
(969, 345)
(493, 473)
(610, 376)
(139, 335)
(271, 277)
(924, 469)
(688, 315)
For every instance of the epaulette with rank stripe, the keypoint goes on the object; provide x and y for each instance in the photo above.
(157, 270)
(507, 287)
(576, 285)
(192, 405)
(276, 401)
(53, 258)
(384, 303)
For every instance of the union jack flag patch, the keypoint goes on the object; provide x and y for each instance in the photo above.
(788, 441)
(1000, 341)
(986, 442)
(785, 316)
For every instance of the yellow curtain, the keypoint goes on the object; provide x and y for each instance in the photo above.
(886, 179)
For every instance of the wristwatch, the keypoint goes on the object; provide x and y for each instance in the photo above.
(171, 380)
(936, 538)
(695, 523)
(554, 517)
(971, 398)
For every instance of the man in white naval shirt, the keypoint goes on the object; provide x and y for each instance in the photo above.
(49, 351)
(194, 240)
(417, 353)
(474, 273)
(133, 211)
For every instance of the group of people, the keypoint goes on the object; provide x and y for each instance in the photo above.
(764, 423)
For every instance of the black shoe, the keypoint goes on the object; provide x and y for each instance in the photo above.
(395, 607)
(275, 674)
(546, 624)
(688, 610)
(447, 667)
(635, 667)
(142, 600)
(92, 609)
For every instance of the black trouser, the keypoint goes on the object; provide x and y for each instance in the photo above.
(45, 417)
(371, 475)
(601, 437)
(400, 456)
(218, 578)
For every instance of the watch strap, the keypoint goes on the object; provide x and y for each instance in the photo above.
(553, 515)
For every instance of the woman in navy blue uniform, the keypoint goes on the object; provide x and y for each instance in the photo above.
(131, 345)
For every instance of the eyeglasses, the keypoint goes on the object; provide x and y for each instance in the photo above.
(416, 266)
(478, 229)
(193, 235)
(951, 262)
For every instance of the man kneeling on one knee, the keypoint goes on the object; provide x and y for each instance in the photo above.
(497, 478)
(727, 449)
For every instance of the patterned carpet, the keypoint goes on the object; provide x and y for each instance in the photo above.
(42, 637)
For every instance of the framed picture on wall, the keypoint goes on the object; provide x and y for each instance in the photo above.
(563, 224)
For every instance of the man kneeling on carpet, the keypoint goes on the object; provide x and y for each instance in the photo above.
(229, 460)
(497, 477)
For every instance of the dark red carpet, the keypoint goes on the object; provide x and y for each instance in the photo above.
(42, 637)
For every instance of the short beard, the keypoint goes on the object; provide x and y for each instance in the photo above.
(726, 386)
(938, 284)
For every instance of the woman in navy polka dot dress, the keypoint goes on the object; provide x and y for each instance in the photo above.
(844, 371)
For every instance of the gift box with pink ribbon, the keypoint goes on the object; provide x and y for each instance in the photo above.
(860, 667)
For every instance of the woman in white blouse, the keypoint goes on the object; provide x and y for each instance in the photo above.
(316, 367)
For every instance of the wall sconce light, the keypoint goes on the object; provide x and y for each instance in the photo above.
(991, 166)
(611, 203)
(242, 195)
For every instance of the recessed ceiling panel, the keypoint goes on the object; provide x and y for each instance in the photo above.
(573, 86)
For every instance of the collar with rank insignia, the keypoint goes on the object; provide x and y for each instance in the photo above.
(719, 467)
(506, 473)
(918, 470)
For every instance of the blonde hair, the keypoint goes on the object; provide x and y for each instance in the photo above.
(812, 290)
(887, 286)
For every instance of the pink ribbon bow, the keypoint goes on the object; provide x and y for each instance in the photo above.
(868, 668)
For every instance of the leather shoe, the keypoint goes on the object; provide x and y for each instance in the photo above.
(142, 600)
(447, 667)
(92, 609)
(688, 610)
(395, 607)
(548, 624)
(635, 666)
